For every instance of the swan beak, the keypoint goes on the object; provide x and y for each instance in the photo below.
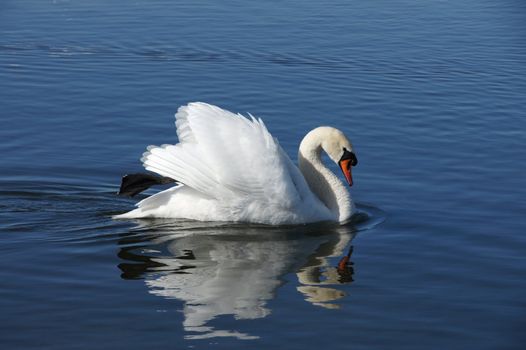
(347, 161)
(345, 165)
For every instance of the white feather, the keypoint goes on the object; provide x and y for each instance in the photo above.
(231, 169)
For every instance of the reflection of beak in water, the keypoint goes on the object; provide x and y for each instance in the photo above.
(233, 269)
(315, 275)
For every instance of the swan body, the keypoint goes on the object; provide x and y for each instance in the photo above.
(230, 168)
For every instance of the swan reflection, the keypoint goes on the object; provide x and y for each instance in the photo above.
(235, 269)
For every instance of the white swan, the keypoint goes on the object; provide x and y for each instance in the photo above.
(230, 168)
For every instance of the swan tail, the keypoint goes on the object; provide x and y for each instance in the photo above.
(153, 206)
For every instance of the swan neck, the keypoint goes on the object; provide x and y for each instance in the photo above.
(321, 180)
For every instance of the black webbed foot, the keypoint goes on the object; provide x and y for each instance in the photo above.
(133, 184)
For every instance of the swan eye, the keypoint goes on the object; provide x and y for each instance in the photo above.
(349, 156)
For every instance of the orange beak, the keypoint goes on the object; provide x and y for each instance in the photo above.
(346, 165)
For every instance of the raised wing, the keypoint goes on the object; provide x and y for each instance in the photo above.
(225, 155)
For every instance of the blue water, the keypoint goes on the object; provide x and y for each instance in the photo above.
(432, 94)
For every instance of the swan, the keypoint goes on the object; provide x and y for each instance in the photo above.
(228, 167)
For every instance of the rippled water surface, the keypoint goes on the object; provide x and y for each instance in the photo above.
(432, 94)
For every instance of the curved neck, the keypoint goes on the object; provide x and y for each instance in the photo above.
(322, 181)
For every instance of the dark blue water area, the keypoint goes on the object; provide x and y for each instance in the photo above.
(431, 93)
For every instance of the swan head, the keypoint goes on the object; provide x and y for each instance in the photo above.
(337, 146)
